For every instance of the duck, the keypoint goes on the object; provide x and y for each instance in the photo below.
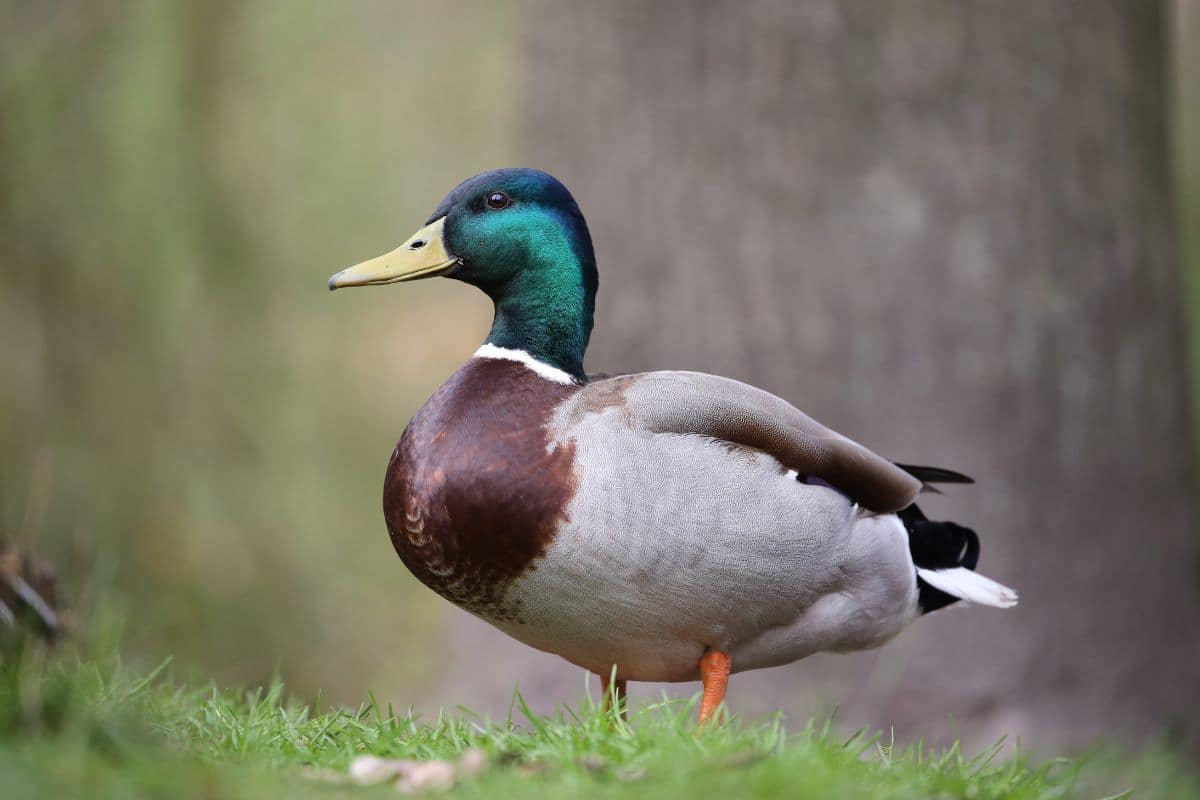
(657, 526)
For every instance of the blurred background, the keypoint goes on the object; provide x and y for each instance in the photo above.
(962, 233)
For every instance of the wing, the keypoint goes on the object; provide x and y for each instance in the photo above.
(708, 405)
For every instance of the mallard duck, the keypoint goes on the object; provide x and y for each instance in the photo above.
(659, 526)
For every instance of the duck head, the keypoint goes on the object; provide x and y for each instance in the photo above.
(518, 235)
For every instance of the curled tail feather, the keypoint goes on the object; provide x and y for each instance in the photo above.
(945, 555)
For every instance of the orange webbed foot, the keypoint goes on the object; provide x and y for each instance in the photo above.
(714, 674)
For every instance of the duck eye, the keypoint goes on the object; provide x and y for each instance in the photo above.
(498, 200)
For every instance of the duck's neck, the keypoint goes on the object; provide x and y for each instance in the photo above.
(547, 313)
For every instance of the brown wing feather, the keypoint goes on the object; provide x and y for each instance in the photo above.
(708, 405)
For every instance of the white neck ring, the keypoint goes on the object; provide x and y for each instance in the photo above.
(543, 369)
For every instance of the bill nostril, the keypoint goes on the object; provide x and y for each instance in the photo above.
(417, 245)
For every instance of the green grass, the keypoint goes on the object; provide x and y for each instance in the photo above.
(69, 728)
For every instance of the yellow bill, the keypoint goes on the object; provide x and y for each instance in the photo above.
(422, 256)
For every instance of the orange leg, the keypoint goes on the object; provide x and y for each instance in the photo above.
(611, 691)
(714, 673)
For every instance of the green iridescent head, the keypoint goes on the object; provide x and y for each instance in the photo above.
(518, 235)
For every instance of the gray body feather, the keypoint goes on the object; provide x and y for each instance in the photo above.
(689, 521)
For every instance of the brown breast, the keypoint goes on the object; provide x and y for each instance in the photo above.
(474, 493)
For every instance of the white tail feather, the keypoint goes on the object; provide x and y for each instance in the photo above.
(970, 586)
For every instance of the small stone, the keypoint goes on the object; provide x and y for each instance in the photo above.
(593, 762)
(427, 776)
(367, 770)
(473, 762)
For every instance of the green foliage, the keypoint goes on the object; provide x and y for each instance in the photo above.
(72, 728)
(179, 393)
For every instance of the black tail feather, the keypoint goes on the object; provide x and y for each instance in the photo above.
(938, 545)
(935, 474)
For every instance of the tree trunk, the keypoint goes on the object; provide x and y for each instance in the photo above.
(945, 229)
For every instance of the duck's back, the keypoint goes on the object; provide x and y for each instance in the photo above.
(676, 543)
